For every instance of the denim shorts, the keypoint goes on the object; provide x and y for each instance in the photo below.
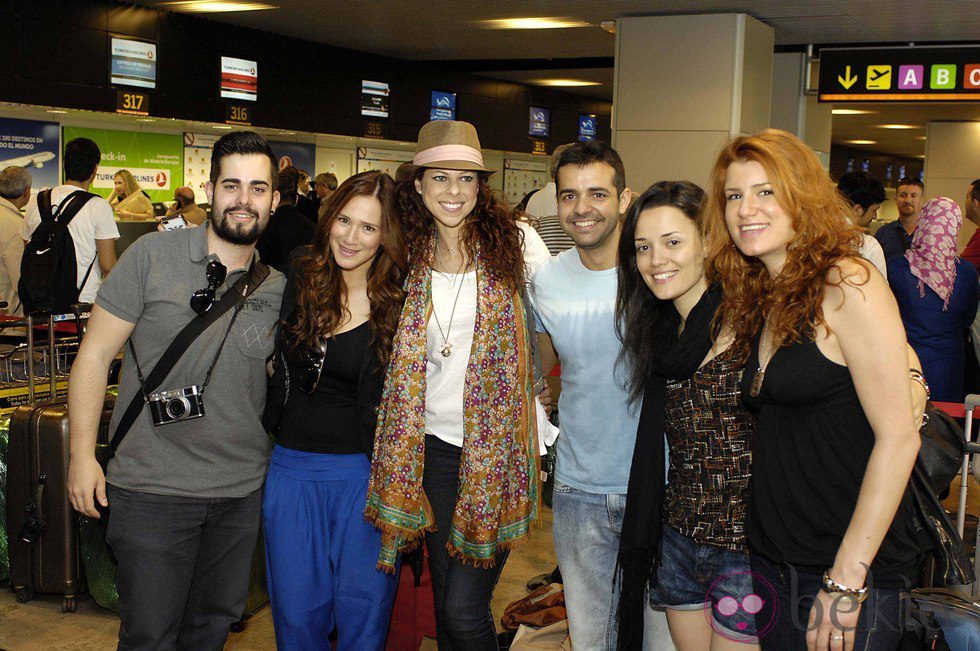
(693, 576)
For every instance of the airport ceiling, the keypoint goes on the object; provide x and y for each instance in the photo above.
(433, 30)
(457, 34)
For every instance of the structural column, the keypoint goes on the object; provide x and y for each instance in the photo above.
(684, 86)
(795, 111)
(952, 163)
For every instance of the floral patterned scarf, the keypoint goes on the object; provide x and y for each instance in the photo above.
(932, 256)
(498, 495)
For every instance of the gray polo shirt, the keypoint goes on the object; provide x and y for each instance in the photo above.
(223, 454)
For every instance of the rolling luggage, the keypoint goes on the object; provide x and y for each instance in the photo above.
(41, 524)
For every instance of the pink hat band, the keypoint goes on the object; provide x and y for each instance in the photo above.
(448, 153)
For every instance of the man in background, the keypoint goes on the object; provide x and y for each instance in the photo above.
(306, 204)
(324, 184)
(544, 202)
(15, 192)
(971, 210)
(288, 227)
(865, 194)
(896, 238)
(93, 230)
(185, 206)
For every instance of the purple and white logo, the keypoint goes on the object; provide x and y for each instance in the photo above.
(752, 604)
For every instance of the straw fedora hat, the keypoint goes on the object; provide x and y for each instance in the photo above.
(449, 145)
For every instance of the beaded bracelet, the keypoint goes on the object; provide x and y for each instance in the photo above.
(831, 586)
(916, 376)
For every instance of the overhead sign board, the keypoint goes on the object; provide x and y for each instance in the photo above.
(132, 63)
(443, 106)
(540, 122)
(374, 99)
(586, 127)
(239, 79)
(900, 74)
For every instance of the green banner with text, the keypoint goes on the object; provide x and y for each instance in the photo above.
(156, 160)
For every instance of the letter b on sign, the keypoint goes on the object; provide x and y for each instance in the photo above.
(971, 76)
(943, 77)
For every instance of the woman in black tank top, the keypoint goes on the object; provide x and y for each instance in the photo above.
(338, 318)
(829, 518)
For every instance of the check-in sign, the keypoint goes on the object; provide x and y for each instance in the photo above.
(911, 74)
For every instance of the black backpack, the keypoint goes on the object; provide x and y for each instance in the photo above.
(49, 269)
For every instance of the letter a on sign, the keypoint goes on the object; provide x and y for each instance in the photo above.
(910, 77)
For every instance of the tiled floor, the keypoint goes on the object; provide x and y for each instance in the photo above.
(40, 625)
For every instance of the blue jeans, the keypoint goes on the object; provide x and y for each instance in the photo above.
(321, 554)
(586, 528)
(784, 627)
(695, 576)
(462, 592)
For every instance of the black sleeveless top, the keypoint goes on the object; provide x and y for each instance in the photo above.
(811, 449)
(326, 422)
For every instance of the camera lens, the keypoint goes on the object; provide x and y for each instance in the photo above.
(177, 408)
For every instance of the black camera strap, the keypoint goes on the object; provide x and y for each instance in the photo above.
(234, 297)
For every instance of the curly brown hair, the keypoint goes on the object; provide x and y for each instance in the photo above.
(489, 229)
(823, 238)
(321, 291)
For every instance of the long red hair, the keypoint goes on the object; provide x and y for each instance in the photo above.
(490, 228)
(823, 238)
(321, 295)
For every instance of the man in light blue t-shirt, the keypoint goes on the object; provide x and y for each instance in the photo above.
(574, 297)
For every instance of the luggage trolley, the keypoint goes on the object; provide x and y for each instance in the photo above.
(972, 401)
(41, 526)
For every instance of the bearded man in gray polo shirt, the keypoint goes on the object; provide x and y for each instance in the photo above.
(185, 496)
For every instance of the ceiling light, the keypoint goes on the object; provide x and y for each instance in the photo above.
(145, 120)
(531, 23)
(851, 112)
(861, 142)
(56, 111)
(920, 137)
(898, 126)
(220, 126)
(608, 26)
(214, 6)
(564, 82)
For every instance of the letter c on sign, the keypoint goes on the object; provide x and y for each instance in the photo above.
(975, 77)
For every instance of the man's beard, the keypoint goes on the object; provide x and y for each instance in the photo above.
(236, 233)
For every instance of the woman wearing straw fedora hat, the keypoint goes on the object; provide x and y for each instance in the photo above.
(456, 451)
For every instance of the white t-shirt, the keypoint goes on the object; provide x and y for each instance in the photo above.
(95, 221)
(446, 376)
(536, 252)
(544, 202)
(872, 252)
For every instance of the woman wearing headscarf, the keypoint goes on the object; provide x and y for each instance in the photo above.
(937, 294)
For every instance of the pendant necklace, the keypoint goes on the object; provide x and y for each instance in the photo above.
(447, 348)
(760, 373)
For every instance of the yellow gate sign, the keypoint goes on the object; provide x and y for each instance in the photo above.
(879, 78)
